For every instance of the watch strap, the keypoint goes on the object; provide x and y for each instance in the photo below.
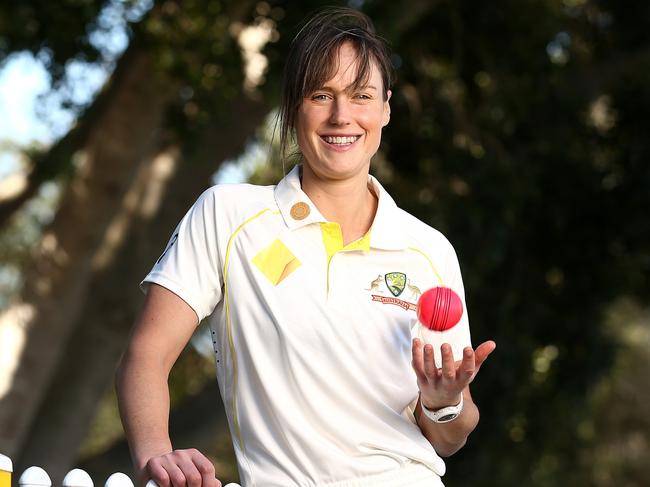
(443, 415)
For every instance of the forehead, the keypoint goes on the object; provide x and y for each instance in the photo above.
(345, 69)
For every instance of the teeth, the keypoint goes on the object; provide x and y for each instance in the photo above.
(340, 140)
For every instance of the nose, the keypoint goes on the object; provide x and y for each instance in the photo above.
(340, 114)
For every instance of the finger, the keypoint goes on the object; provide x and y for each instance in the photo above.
(156, 472)
(176, 475)
(430, 368)
(467, 366)
(191, 474)
(483, 351)
(418, 360)
(448, 364)
(205, 468)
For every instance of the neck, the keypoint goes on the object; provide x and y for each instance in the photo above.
(349, 202)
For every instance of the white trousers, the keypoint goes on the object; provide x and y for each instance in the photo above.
(410, 475)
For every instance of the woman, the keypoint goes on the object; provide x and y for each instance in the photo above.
(305, 286)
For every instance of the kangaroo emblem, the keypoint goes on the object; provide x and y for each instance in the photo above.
(374, 285)
(415, 291)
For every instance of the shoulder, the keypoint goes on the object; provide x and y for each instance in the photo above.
(232, 199)
(423, 235)
(233, 194)
(224, 207)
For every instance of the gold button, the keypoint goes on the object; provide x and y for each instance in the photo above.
(300, 211)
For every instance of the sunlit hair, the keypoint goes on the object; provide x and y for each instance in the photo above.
(313, 60)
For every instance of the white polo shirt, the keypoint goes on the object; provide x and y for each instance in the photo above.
(312, 339)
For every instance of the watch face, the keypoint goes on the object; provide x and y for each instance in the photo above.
(447, 417)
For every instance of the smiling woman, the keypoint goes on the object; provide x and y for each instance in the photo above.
(319, 361)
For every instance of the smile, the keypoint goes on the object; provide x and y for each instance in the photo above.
(340, 140)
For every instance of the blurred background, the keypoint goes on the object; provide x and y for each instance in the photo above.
(519, 128)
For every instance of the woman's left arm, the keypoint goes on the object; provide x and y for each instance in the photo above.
(443, 387)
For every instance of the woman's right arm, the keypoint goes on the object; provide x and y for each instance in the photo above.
(159, 335)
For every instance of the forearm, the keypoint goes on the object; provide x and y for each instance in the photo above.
(448, 438)
(143, 400)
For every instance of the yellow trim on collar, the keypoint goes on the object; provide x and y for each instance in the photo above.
(333, 240)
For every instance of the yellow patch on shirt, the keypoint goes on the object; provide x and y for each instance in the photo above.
(276, 262)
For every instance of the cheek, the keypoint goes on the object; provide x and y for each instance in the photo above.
(307, 122)
(373, 123)
(372, 119)
(302, 129)
(303, 142)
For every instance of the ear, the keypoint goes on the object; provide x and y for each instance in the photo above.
(386, 115)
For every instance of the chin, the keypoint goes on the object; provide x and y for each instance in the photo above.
(344, 172)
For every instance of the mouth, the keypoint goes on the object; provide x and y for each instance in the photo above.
(340, 140)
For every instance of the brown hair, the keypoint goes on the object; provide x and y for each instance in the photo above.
(312, 59)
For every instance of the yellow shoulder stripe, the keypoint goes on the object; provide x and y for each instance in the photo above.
(226, 294)
(435, 271)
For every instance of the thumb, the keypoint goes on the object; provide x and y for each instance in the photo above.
(483, 351)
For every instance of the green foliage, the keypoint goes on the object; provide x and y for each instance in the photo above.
(618, 429)
(515, 131)
(55, 30)
(192, 41)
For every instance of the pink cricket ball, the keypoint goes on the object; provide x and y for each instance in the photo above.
(439, 308)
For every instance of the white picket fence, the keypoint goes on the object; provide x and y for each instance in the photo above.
(37, 477)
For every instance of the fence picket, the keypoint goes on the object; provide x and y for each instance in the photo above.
(77, 478)
(35, 477)
(118, 479)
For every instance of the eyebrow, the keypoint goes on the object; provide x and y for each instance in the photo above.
(366, 87)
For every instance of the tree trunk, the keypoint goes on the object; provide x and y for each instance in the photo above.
(56, 285)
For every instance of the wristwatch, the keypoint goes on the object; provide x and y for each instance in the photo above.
(443, 415)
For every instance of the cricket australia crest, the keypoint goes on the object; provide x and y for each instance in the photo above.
(395, 282)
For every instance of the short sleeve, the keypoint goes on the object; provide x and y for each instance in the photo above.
(458, 336)
(190, 266)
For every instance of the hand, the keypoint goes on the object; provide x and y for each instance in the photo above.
(180, 468)
(443, 387)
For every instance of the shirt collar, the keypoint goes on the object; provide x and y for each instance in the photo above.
(387, 231)
(387, 228)
(289, 195)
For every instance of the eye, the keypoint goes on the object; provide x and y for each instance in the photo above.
(319, 97)
(363, 96)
